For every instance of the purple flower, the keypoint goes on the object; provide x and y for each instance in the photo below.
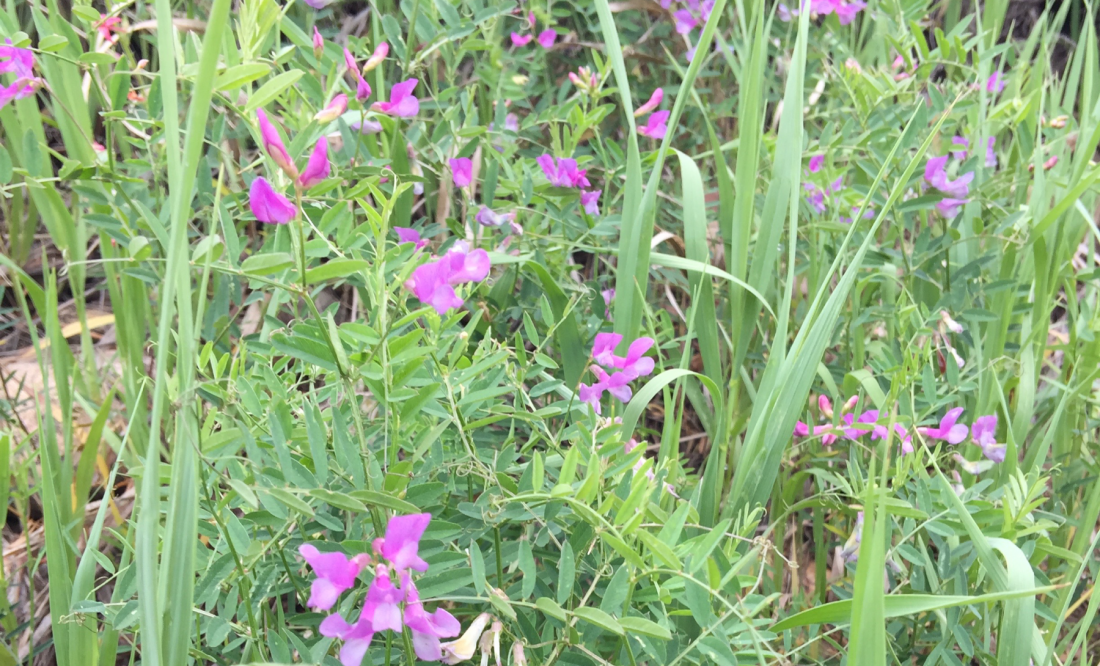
(511, 122)
(961, 153)
(366, 126)
(655, 127)
(356, 637)
(14, 60)
(547, 37)
(705, 8)
(990, 155)
(635, 364)
(995, 83)
(665, 4)
(333, 109)
(948, 430)
(816, 198)
(984, 432)
(318, 168)
(521, 40)
(654, 101)
(462, 171)
(608, 296)
(408, 235)
(335, 574)
(949, 207)
(316, 4)
(382, 607)
(690, 53)
(563, 172)
(837, 185)
(402, 541)
(685, 21)
(433, 283)
(846, 12)
(822, 7)
(784, 13)
(850, 552)
(815, 163)
(273, 144)
(427, 628)
(936, 176)
(362, 88)
(402, 102)
(268, 205)
(590, 199)
(487, 217)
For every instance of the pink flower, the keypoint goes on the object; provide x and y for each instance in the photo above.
(521, 40)
(433, 282)
(546, 38)
(273, 144)
(815, 163)
(995, 83)
(825, 406)
(822, 7)
(378, 57)
(402, 542)
(511, 122)
(990, 154)
(685, 21)
(408, 235)
(961, 153)
(108, 25)
(531, 20)
(362, 88)
(462, 171)
(402, 102)
(349, 62)
(705, 9)
(318, 43)
(427, 628)
(949, 207)
(405, 235)
(382, 607)
(665, 4)
(948, 430)
(356, 637)
(801, 429)
(846, 12)
(333, 109)
(335, 574)
(635, 364)
(563, 172)
(268, 205)
(654, 102)
(316, 4)
(816, 198)
(984, 432)
(936, 176)
(837, 185)
(14, 60)
(655, 127)
(318, 168)
(487, 217)
(590, 199)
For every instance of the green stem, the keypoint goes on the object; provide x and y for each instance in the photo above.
(500, 561)
(410, 41)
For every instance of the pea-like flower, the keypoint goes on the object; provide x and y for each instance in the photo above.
(402, 103)
(590, 199)
(273, 144)
(949, 430)
(651, 104)
(547, 37)
(519, 40)
(434, 282)
(655, 127)
(984, 433)
(409, 235)
(378, 57)
(462, 171)
(336, 572)
(268, 205)
(563, 172)
(318, 168)
(333, 109)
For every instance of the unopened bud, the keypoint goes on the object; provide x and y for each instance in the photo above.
(850, 405)
(825, 405)
(1059, 122)
(333, 110)
(376, 58)
(518, 657)
(318, 43)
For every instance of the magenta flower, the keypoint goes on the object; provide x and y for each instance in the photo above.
(990, 154)
(815, 163)
(608, 296)
(462, 171)
(382, 607)
(837, 185)
(816, 198)
(335, 574)
(427, 628)
(378, 57)
(403, 541)
(531, 20)
(487, 217)
(273, 144)
(590, 199)
(546, 38)
(705, 9)
(948, 430)
(563, 172)
(108, 25)
(521, 40)
(407, 235)
(318, 43)
(846, 11)
(685, 21)
(995, 83)
(630, 367)
(433, 283)
(318, 168)
(984, 432)
(655, 127)
(665, 4)
(316, 4)
(402, 102)
(959, 154)
(268, 205)
(356, 637)
(936, 176)
(333, 109)
(654, 102)
(949, 207)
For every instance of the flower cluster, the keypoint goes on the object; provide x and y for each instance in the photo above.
(656, 125)
(818, 196)
(845, 11)
(20, 62)
(434, 282)
(625, 369)
(935, 173)
(564, 172)
(267, 204)
(387, 606)
(982, 433)
(546, 38)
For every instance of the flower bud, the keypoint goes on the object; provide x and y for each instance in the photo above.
(825, 405)
(273, 144)
(318, 43)
(333, 110)
(376, 58)
(518, 657)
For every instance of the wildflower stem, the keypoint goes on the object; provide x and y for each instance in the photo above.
(500, 562)
(410, 655)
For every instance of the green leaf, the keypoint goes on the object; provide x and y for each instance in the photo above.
(567, 572)
(272, 89)
(239, 75)
(550, 608)
(639, 625)
(338, 500)
(335, 269)
(384, 500)
(53, 43)
(600, 619)
(266, 264)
